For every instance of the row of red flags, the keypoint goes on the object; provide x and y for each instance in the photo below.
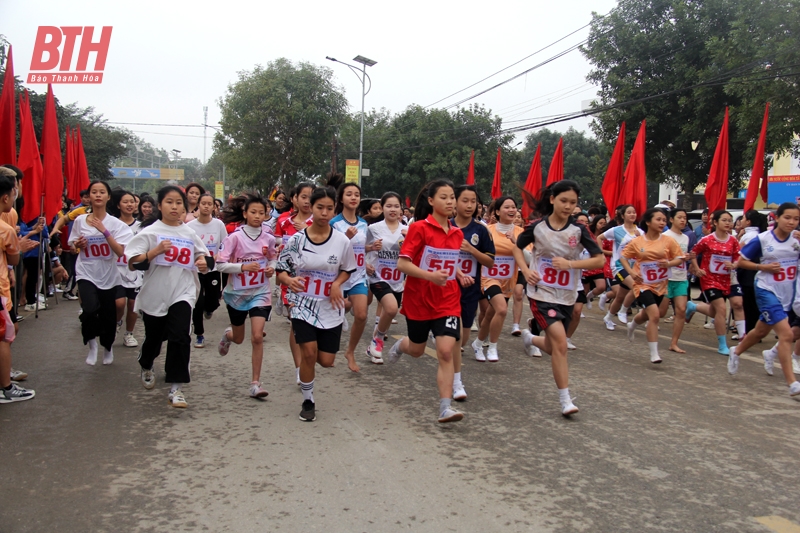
(40, 162)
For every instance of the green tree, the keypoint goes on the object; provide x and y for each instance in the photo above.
(277, 123)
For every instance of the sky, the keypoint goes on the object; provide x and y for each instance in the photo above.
(167, 59)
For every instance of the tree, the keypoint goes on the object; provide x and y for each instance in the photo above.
(671, 62)
(277, 123)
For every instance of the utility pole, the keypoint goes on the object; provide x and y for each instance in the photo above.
(205, 127)
(334, 155)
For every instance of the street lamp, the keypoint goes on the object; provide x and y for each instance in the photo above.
(365, 62)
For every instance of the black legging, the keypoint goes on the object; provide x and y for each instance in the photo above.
(99, 313)
(31, 265)
(207, 300)
(174, 328)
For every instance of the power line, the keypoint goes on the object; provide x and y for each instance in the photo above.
(166, 125)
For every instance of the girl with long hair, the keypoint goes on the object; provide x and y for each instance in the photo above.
(621, 235)
(193, 193)
(124, 206)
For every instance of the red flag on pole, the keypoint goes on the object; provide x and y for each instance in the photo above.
(758, 168)
(81, 168)
(612, 184)
(534, 182)
(8, 116)
(497, 188)
(634, 188)
(556, 171)
(29, 161)
(69, 167)
(717, 184)
(51, 156)
(408, 201)
(471, 171)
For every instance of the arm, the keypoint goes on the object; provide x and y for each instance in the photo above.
(337, 300)
(772, 268)
(482, 258)
(408, 268)
(116, 247)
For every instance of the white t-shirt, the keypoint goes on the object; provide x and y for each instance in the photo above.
(678, 273)
(621, 237)
(166, 285)
(96, 262)
(385, 260)
(212, 234)
(130, 279)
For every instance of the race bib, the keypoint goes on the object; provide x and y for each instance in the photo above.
(251, 280)
(285, 239)
(504, 268)
(788, 272)
(318, 283)
(359, 250)
(180, 255)
(97, 248)
(678, 270)
(434, 259)
(387, 270)
(468, 264)
(213, 249)
(717, 264)
(652, 273)
(551, 277)
(122, 261)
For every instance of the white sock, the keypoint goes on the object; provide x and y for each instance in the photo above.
(796, 357)
(308, 390)
(623, 309)
(774, 350)
(378, 334)
(91, 359)
(493, 346)
(653, 348)
(569, 340)
(741, 328)
(108, 356)
(457, 378)
(297, 373)
(175, 386)
(515, 326)
(563, 394)
(608, 316)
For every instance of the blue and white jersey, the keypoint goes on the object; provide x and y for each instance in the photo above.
(359, 242)
(767, 248)
(621, 237)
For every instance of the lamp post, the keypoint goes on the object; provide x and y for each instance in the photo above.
(365, 62)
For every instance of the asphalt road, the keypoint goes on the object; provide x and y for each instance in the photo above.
(680, 446)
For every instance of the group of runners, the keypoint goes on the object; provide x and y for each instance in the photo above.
(449, 270)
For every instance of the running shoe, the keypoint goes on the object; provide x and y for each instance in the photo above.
(609, 324)
(527, 341)
(119, 325)
(18, 375)
(709, 324)
(345, 325)
(377, 320)
(394, 321)
(733, 363)
(450, 415)
(571, 346)
(794, 390)
(149, 378)
(432, 338)
(568, 408)
(375, 351)
(177, 399)
(670, 319)
(394, 353)
(631, 327)
(622, 317)
(583, 316)
(491, 354)
(655, 358)
(201, 342)
(207, 315)
(459, 394)
(70, 296)
(129, 340)
(257, 392)
(601, 302)
(32, 307)
(16, 394)
(279, 307)
(308, 412)
(474, 327)
(478, 348)
(589, 303)
(769, 362)
(796, 364)
(224, 343)
(515, 331)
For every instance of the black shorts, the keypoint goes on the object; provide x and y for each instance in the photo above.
(493, 291)
(593, 277)
(382, 288)
(521, 279)
(581, 299)
(327, 339)
(127, 292)
(647, 298)
(619, 277)
(446, 326)
(546, 314)
(794, 320)
(238, 318)
(468, 311)
(709, 295)
(736, 290)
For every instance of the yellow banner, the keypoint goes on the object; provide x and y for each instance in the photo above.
(351, 171)
(219, 190)
(172, 174)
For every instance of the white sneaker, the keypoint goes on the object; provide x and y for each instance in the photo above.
(149, 378)
(257, 392)
(609, 324)
(491, 354)
(459, 394)
(589, 303)
(474, 327)
(631, 327)
(375, 351)
(769, 362)
(527, 342)
(733, 363)
(450, 415)
(601, 302)
(622, 317)
(345, 325)
(394, 321)
(796, 365)
(32, 307)
(794, 390)
(709, 324)
(583, 316)
(568, 408)
(515, 331)
(18, 375)
(129, 340)
(394, 354)
(177, 399)
(571, 346)
(655, 359)
(432, 338)
(224, 342)
(477, 346)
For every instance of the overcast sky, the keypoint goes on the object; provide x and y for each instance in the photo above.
(170, 58)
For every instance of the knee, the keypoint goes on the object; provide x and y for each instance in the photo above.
(786, 336)
(360, 313)
(325, 362)
(309, 358)
(257, 338)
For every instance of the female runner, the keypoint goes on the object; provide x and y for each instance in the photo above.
(678, 284)
(553, 276)
(124, 208)
(212, 232)
(519, 287)
(248, 257)
(98, 238)
(169, 253)
(597, 277)
(193, 193)
(778, 252)
(654, 254)
(314, 264)
(498, 281)
(429, 258)
(720, 251)
(146, 206)
(385, 280)
(621, 235)
(477, 251)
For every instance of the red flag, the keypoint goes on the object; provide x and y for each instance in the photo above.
(534, 182)
(29, 161)
(69, 174)
(717, 184)
(497, 189)
(471, 171)
(556, 171)
(408, 201)
(51, 156)
(634, 188)
(8, 116)
(612, 184)
(758, 169)
(81, 168)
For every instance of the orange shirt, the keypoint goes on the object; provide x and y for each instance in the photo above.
(647, 254)
(504, 272)
(9, 245)
(11, 218)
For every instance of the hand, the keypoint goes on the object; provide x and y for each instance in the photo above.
(269, 272)
(337, 301)
(403, 232)
(250, 267)
(55, 232)
(467, 247)
(636, 278)
(463, 279)
(510, 236)
(162, 247)
(26, 244)
(796, 234)
(730, 265)
(370, 270)
(663, 263)
(351, 232)
(201, 264)
(38, 227)
(439, 277)
(297, 284)
(532, 277)
(96, 224)
(559, 263)
(79, 243)
(772, 268)
(700, 273)
(299, 226)
(690, 256)
(376, 246)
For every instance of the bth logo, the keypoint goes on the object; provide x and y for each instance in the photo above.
(54, 50)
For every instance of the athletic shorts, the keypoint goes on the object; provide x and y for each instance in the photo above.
(794, 320)
(521, 279)
(769, 307)
(127, 292)
(238, 318)
(647, 298)
(492, 291)
(382, 288)
(619, 277)
(677, 288)
(593, 277)
(327, 339)
(361, 288)
(736, 290)
(446, 326)
(546, 314)
(581, 299)
(709, 295)
(469, 310)
(7, 333)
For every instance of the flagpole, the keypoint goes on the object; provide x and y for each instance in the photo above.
(39, 266)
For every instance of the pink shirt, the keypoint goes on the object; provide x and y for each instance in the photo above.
(246, 290)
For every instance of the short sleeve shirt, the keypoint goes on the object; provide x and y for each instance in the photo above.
(646, 255)
(96, 262)
(714, 252)
(478, 236)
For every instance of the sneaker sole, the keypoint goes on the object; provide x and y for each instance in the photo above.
(516, 333)
(199, 345)
(454, 418)
(570, 412)
(460, 398)
(260, 395)
(308, 419)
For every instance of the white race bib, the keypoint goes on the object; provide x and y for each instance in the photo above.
(504, 268)
(787, 274)
(717, 264)
(213, 249)
(434, 259)
(653, 274)
(551, 277)
(251, 280)
(359, 250)
(318, 283)
(97, 248)
(468, 264)
(180, 255)
(387, 270)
